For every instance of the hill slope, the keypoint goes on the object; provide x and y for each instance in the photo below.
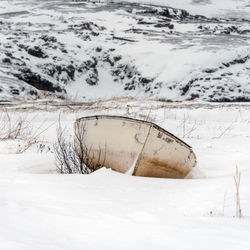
(86, 51)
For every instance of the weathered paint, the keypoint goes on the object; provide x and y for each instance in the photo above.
(160, 154)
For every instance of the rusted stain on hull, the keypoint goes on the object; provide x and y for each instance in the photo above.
(160, 154)
(152, 167)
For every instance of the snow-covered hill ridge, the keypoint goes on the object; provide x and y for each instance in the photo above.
(86, 51)
(43, 210)
(209, 8)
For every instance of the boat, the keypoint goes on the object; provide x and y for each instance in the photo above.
(135, 147)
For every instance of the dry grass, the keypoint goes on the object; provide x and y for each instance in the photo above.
(237, 194)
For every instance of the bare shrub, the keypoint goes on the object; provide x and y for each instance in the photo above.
(13, 128)
(187, 127)
(26, 144)
(75, 158)
(32, 137)
(225, 130)
(89, 157)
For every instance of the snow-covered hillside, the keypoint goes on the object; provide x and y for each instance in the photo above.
(40, 209)
(78, 50)
(209, 8)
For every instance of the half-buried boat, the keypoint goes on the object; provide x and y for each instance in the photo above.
(132, 146)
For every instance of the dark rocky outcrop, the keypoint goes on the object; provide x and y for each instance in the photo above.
(37, 81)
(37, 52)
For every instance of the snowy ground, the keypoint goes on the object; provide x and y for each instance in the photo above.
(40, 209)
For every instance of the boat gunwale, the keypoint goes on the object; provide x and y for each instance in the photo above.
(134, 120)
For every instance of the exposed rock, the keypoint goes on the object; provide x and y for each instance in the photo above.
(186, 88)
(37, 52)
(47, 38)
(6, 60)
(37, 81)
(15, 91)
(164, 25)
(92, 79)
(210, 71)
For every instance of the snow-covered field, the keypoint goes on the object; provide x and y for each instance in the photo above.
(172, 62)
(89, 50)
(41, 209)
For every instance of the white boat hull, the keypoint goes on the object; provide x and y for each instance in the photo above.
(135, 146)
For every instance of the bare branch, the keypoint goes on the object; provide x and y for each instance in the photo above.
(76, 158)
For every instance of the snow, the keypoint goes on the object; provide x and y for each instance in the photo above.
(41, 209)
(174, 61)
(210, 8)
